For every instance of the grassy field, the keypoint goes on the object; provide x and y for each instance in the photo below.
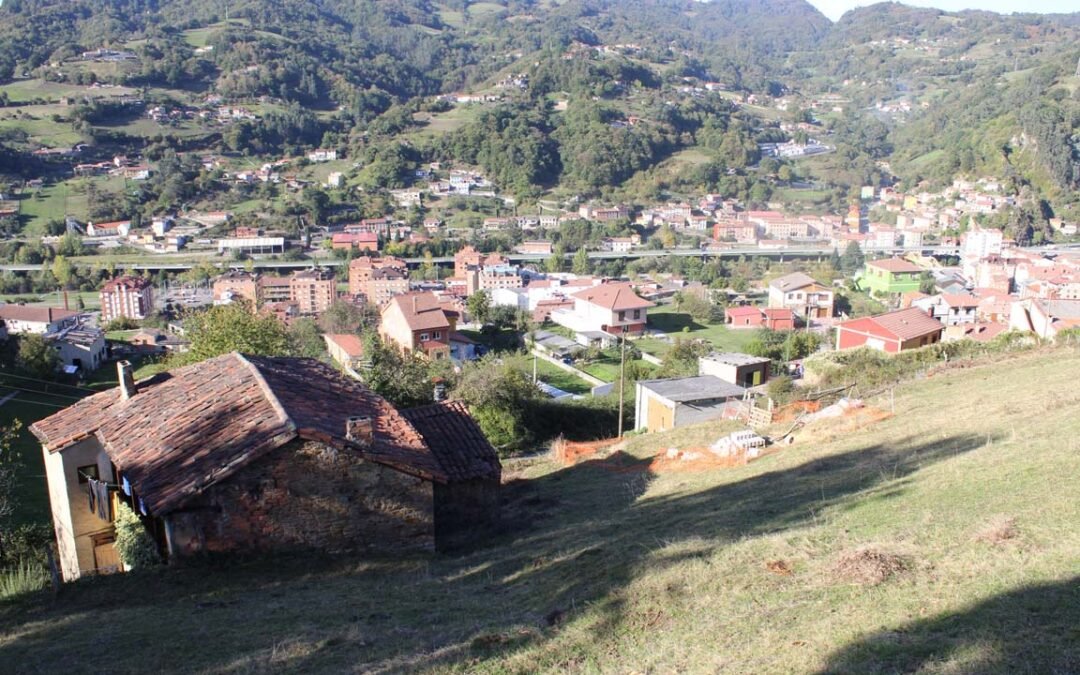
(29, 90)
(665, 318)
(28, 405)
(607, 367)
(37, 122)
(944, 539)
(553, 375)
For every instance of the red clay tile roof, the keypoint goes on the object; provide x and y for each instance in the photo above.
(779, 313)
(895, 265)
(959, 300)
(193, 427)
(903, 324)
(747, 310)
(136, 283)
(790, 282)
(422, 311)
(352, 345)
(15, 312)
(615, 297)
(456, 441)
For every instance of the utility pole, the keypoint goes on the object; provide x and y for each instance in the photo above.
(622, 379)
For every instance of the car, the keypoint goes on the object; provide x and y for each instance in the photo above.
(568, 360)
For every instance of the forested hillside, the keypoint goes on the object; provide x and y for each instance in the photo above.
(614, 98)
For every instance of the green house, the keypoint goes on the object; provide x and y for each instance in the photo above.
(892, 275)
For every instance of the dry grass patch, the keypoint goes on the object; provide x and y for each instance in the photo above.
(999, 530)
(870, 565)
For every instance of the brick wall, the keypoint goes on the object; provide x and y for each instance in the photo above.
(308, 496)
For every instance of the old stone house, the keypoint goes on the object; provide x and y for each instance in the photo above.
(245, 453)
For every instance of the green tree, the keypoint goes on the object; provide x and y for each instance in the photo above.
(134, 544)
(63, 270)
(403, 379)
(345, 317)
(853, 259)
(9, 466)
(581, 265)
(306, 339)
(36, 356)
(500, 398)
(479, 306)
(233, 327)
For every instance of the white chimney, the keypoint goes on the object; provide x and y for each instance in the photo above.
(359, 430)
(126, 375)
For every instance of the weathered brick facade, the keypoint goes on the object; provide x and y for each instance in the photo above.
(306, 495)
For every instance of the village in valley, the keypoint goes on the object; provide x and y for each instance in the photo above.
(475, 337)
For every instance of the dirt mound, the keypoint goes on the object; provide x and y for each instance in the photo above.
(571, 452)
(694, 460)
(869, 565)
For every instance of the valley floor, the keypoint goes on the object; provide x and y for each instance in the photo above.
(944, 538)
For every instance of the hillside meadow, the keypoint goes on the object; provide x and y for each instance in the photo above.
(937, 531)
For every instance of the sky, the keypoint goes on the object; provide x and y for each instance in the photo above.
(834, 8)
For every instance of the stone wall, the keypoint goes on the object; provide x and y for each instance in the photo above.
(466, 513)
(308, 496)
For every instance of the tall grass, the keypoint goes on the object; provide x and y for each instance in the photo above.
(25, 577)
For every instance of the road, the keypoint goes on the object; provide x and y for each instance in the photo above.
(162, 263)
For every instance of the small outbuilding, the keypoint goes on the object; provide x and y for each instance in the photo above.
(743, 370)
(678, 402)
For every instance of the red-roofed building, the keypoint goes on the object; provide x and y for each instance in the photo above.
(345, 348)
(417, 322)
(128, 297)
(245, 453)
(364, 241)
(613, 308)
(748, 317)
(892, 332)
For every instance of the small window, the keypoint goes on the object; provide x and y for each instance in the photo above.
(637, 313)
(437, 336)
(423, 337)
(88, 471)
(622, 316)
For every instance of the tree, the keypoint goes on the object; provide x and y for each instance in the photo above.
(581, 265)
(404, 379)
(927, 284)
(233, 327)
(499, 396)
(9, 465)
(479, 306)
(853, 259)
(306, 339)
(63, 270)
(345, 317)
(36, 356)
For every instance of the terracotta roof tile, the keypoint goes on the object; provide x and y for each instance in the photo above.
(191, 428)
(895, 265)
(615, 297)
(903, 324)
(455, 440)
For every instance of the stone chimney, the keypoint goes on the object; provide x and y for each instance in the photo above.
(126, 375)
(360, 430)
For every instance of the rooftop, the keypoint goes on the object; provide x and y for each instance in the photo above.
(351, 344)
(616, 297)
(735, 359)
(790, 282)
(895, 265)
(14, 312)
(903, 324)
(690, 389)
(193, 427)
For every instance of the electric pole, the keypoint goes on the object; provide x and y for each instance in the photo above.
(622, 379)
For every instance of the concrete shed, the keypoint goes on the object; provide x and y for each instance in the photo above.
(678, 402)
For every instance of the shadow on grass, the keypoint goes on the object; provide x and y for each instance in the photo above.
(674, 322)
(574, 538)
(1030, 630)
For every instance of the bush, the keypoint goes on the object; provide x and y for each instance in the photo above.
(134, 544)
(121, 323)
(871, 368)
(24, 577)
(780, 389)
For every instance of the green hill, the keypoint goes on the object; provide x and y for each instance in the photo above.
(943, 537)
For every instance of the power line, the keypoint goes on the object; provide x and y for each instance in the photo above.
(42, 393)
(54, 384)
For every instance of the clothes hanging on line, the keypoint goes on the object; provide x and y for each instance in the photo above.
(125, 485)
(99, 498)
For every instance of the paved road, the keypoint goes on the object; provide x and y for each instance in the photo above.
(163, 263)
